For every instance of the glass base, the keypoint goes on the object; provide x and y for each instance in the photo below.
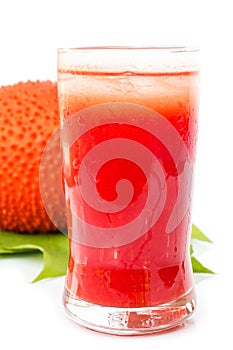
(129, 321)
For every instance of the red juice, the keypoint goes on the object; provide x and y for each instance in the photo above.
(129, 141)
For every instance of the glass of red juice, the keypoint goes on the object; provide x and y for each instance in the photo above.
(129, 118)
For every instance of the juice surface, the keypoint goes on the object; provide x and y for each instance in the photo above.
(129, 240)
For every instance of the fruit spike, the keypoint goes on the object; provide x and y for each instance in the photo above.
(28, 117)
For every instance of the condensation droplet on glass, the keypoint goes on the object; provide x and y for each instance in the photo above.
(76, 179)
(75, 163)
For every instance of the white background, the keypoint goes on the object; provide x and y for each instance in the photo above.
(31, 315)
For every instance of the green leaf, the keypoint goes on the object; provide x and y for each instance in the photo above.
(53, 246)
(191, 250)
(198, 267)
(198, 234)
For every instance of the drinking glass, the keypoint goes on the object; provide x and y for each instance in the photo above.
(129, 119)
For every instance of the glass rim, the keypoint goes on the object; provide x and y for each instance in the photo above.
(130, 59)
(165, 48)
